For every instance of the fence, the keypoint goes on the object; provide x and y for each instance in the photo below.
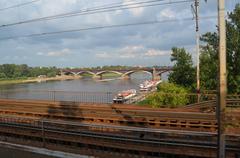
(86, 97)
(166, 99)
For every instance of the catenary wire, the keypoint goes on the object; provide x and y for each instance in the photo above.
(94, 11)
(18, 5)
(104, 27)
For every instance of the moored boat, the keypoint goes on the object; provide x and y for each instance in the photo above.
(149, 85)
(124, 96)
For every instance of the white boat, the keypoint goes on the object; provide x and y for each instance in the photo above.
(123, 96)
(148, 85)
(157, 82)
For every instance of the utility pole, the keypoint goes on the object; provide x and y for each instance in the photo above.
(196, 15)
(222, 91)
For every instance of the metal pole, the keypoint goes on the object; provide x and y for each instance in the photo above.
(197, 48)
(222, 78)
(196, 15)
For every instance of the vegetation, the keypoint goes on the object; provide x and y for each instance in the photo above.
(184, 74)
(168, 95)
(183, 71)
(16, 72)
(209, 56)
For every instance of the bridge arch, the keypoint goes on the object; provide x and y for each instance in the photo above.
(68, 73)
(108, 71)
(85, 72)
(161, 72)
(129, 73)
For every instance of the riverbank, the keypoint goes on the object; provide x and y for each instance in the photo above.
(33, 80)
(57, 78)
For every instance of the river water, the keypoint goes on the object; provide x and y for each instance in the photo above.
(83, 90)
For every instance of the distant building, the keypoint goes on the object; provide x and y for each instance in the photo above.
(42, 76)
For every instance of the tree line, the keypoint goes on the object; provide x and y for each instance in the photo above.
(13, 71)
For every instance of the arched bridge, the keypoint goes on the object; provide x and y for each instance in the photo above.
(124, 73)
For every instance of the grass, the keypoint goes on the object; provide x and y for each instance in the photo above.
(15, 81)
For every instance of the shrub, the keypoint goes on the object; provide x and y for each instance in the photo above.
(168, 95)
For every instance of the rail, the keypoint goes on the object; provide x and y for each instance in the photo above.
(56, 132)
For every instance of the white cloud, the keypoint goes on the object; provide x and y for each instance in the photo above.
(166, 13)
(130, 51)
(134, 11)
(133, 52)
(60, 53)
(153, 52)
(40, 53)
(103, 55)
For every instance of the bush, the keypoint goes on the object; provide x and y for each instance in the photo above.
(168, 95)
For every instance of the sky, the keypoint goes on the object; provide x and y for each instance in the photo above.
(140, 45)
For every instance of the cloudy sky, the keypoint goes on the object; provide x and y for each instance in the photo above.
(133, 45)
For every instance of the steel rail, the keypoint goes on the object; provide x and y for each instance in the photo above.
(12, 119)
(114, 138)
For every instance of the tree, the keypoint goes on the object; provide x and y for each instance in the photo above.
(183, 71)
(12, 71)
(209, 62)
(168, 95)
(2, 75)
(209, 55)
(8, 70)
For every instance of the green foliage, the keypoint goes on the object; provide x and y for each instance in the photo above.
(209, 55)
(209, 62)
(168, 95)
(2, 75)
(12, 71)
(183, 71)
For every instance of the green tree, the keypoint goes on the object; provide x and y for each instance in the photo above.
(2, 75)
(168, 95)
(209, 62)
(209, 57)
(183, 71)
(12, 71)
(8, 70)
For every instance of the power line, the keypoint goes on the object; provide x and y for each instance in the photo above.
(98, 10)
(104, 27)
(19, 5)
(120, 7)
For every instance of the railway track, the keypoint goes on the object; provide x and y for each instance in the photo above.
(116, 114)
(112, 129)
(56, 137)
(110, 114)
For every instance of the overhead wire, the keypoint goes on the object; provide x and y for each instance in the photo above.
(104, 27)
(99, 10)
(18, 5)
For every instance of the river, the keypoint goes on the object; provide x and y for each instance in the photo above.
(83, 90)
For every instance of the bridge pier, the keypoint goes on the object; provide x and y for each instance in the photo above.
(155, 75)
(97, 77)
(125, 77)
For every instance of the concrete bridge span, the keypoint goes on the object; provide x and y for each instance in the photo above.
(124, 73)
